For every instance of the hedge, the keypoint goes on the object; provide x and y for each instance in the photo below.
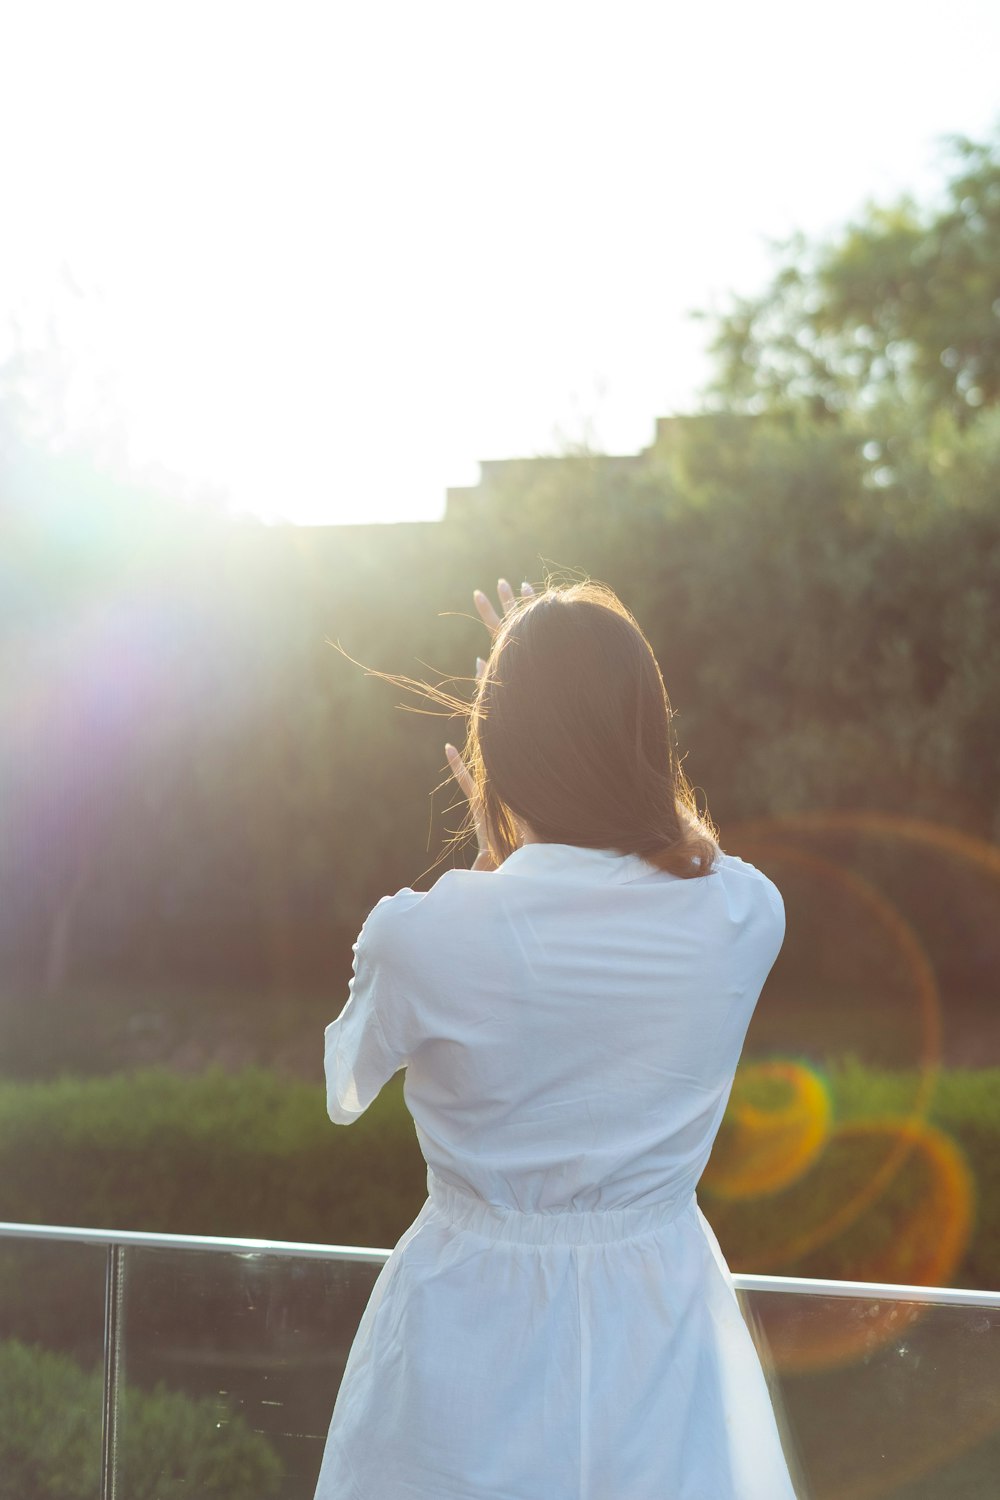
(170, 1446)
(249, 1154)
(254, 1155)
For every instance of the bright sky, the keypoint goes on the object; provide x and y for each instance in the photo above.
(329, 256)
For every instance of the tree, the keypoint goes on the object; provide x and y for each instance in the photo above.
(902, 305)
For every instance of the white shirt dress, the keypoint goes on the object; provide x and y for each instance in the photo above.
(558, 1322)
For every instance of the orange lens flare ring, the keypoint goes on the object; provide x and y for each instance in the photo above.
(803, 1140)
(767, 1149)
(788, 1141)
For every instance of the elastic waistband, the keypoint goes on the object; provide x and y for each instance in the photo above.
(599, 1226)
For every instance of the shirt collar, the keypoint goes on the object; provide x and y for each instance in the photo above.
(576, 863)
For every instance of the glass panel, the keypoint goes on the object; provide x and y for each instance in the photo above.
(885, 1400)
(229, 1367)
(51, 1368)
(229, 1364)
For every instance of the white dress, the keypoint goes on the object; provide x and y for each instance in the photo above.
(558, 1322)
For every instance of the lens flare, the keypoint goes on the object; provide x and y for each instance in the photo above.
(763, 1148)
(977, 852)
(818, 1216)
(918, 1239)
(886, 1198)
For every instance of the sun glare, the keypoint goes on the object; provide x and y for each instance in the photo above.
(330, 260)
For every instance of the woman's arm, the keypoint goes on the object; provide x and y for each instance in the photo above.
(370, 1039)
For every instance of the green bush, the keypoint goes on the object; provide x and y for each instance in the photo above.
(170, 1445)
(252, 1155)
(249, 1155)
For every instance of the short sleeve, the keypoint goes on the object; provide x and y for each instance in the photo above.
(755, 911)
(367, 1042)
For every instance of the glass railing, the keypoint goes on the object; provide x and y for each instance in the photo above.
(142, 1365)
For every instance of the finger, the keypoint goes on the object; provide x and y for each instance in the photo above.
(527, 592)
(460, 771)
(480, 667)
(487, 613)
(506, 595)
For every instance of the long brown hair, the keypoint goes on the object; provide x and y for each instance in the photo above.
(571, 730)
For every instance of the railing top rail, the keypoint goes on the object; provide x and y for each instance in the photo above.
(147, 1240)
(745, 1282)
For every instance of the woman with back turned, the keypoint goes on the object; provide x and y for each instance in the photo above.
(558, 1322)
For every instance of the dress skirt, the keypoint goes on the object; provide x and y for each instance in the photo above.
(554, 1356)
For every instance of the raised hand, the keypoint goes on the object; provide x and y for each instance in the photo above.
(488, 614)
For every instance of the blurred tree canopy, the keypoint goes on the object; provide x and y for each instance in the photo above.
(902, 306)
(195, 783)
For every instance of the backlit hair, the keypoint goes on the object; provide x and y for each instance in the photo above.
(571, 730)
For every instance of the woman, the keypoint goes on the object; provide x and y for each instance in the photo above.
(558, 1323)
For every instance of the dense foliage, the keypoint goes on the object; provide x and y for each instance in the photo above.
(170, 1445)
(243, 1154)
(900, 308)
(199, 787)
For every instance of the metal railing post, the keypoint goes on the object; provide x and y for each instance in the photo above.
(113, 1289)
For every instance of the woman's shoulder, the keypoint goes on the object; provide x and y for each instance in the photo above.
(409, 929)
(741, 866)
(745, 882)
(407, 908)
